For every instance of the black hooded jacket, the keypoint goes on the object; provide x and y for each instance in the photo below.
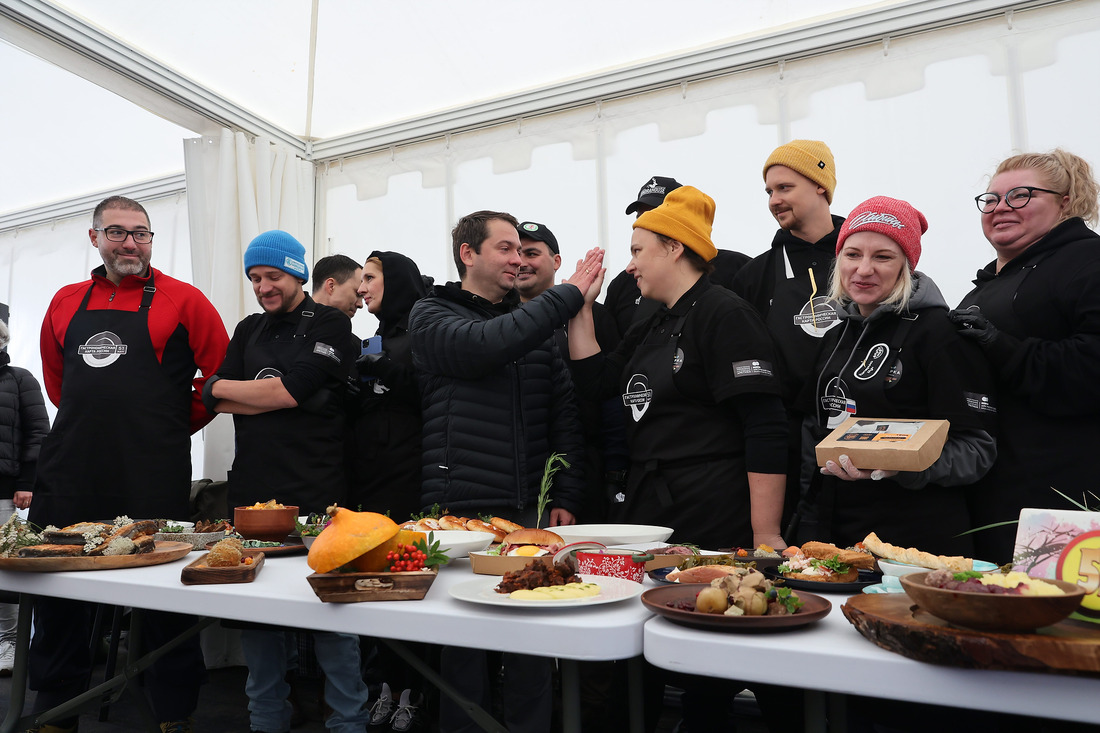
(497, 397)
(385, 457)
(23, 425)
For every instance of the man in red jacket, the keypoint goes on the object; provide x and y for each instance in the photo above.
(119, 356)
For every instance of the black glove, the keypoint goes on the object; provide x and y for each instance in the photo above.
(974, 325)
(208, 399)
(372, 365)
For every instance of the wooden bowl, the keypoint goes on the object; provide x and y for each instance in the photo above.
(989, 612)
(269, 525)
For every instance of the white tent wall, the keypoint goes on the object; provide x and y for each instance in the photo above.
(925, 118)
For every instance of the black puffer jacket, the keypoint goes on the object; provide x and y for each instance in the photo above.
(23, 425)
(497, 399)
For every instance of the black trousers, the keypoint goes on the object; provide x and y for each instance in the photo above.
(60, 658)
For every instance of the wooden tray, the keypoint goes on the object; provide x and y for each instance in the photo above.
(162, 553)
(358, 587)
(896, 623)
(198, 573)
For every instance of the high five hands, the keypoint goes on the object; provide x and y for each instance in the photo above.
(589, 275)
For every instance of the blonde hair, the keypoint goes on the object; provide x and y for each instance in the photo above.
(899, 295)
(374, 261)
(1064, 172)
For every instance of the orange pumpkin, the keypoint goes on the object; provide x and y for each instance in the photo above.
(374, 561)
(348, 535)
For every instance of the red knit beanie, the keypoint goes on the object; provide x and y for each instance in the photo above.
(895, 218)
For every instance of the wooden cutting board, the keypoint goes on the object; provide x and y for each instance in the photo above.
(894, 622)
(164, 552)
(199, 573)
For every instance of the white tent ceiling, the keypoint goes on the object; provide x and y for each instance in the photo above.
(332, 78)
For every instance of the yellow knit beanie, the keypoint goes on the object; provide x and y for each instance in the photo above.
(811, 158)
(686, 215)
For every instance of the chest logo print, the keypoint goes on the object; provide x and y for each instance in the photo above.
(873, 362)
(102, 349)
(817, 316)
(638, 396)
(268, 373)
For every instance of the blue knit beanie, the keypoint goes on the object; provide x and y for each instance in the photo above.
(279, 250)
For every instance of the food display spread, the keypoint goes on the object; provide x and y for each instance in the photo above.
(83, 539)
(743, 592)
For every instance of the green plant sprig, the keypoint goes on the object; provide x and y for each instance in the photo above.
(554, 463)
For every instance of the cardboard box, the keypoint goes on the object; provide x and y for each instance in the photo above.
(1062, 545)
(890, 444)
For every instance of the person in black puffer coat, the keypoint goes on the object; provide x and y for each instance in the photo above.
(498, 402)
(23, 425)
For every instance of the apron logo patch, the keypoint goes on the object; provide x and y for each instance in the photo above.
(638, 396)
(979, 402)
(817, 316)
(893, 375)
(836, 404)
(678, 360)
(268, 373)
(102, 349)
(752, 368)
(873, 362)
(326, 350)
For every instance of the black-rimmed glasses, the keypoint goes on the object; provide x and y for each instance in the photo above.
(1016, 198)
(118, 234)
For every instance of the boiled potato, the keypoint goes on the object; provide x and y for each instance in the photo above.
(711, 600)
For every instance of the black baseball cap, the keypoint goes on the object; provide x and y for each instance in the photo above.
(539, 233)
(653, 193)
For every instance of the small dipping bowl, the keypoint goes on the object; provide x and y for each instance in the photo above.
(626, 564)
(268, 525)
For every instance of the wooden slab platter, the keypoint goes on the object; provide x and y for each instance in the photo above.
(359, 587)
(896, 623)
(199, 573)
(162, 553)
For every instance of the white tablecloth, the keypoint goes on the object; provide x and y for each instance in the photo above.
(832, 656)
(282, 595)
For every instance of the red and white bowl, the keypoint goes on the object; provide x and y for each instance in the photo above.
(626, 564)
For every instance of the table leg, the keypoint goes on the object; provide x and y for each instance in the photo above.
(476, 712)
(634, 695)
(815, 721)
(19, 668)
(112, 688)
(838, 712)
(570, 696)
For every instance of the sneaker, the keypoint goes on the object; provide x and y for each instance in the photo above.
(178, 726)
(382, 710)
(7, 658)
(407, 716)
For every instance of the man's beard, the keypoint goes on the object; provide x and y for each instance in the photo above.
(127, 266)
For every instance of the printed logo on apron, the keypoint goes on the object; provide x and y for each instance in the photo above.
(979, 402)
(817, 316)
(638, 395)
(268, 373)
(893, 375)
(752, 368)
(836, 403)
(873, 362)
(677, 360)
(101, 350)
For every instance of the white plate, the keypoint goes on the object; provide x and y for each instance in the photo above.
(613, 534)
(482, 590)
(460, 543)
(891, 567)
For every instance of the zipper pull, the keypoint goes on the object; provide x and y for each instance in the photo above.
(112, 298)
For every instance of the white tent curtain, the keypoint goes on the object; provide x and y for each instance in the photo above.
(238, 188)
(895, 114)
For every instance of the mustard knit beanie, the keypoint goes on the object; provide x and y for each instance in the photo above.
(811, 158)
(686, 215)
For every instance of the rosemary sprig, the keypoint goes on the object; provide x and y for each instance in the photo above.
(554, 463)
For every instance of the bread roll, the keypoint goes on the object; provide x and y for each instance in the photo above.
(451, 522)
(913, 556)
(476, 525)
(506, 525)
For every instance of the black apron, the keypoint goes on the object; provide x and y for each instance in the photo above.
(293, 455)
(121, 443)
(798, 322)
(848, 510)
(684, 473)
